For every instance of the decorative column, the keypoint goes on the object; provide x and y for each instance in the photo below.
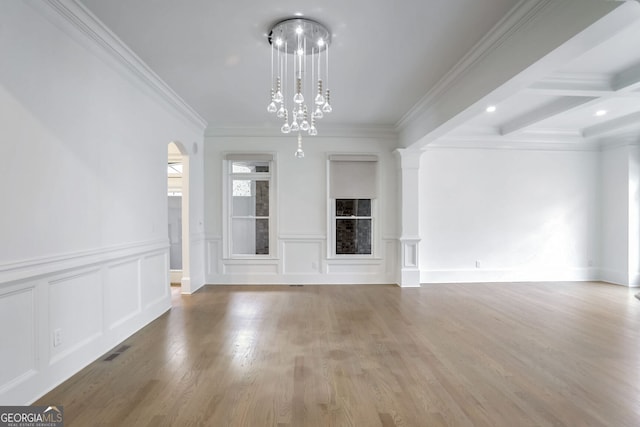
(410, 216)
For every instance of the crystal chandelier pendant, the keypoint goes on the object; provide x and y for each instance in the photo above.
(298, 98)
(272, 105)
(278, 97)
(319, 98)
(327, 105)
(285, 127)
(306, 42)
(312, 129)
(305, 124)
(299, 153)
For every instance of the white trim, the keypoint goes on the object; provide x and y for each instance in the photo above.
(227, 178)
(509, 275)
(249, 156)
(81, 19)
(305, 237)
(517, 17)
(512, 145)
(368, 132)
(353, 157)
(39, 266)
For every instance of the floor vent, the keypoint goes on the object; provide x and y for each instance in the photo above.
(117, 353)
(123, 348)
(296, 286)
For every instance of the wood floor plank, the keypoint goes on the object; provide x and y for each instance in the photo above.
(482, 354)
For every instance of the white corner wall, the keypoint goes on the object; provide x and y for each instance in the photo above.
(620, 215)
(509, 215)
(300, 250)
(84, 251)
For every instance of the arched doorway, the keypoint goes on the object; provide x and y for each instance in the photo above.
(178, 215)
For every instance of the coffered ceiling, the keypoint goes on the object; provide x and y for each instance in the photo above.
(591, 100)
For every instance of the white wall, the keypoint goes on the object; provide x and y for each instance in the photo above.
(84, 222)
(524, 215)
(301, 248)
(615, 222)
(620, 215)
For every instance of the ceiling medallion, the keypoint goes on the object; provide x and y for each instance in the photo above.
(294, 80)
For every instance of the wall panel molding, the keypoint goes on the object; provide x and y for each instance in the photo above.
(94, 299)
(13, 271)
(303, 260)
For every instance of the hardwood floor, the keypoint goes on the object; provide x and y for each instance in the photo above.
(513, 354)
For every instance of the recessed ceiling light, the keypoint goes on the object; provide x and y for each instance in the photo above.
(601, 113)
(491, 109)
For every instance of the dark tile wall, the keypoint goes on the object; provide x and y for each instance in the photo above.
(262, 225)
(353, 236)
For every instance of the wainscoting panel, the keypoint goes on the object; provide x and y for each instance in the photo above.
(355, 268)
(301, 257)
(213, 255)
(154, 278)
(58, 314)
(122, 292)
(75, 311)
(19, 335)
(251, 268)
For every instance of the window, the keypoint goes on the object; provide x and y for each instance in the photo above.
(353, 226)
(249, 207)
(352, 192)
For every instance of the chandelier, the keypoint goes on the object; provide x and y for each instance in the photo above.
(295, 80)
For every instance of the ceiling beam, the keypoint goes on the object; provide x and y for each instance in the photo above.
(627, 80)
(574, 84)
(540, 38)
(612, 126)
(554, 108)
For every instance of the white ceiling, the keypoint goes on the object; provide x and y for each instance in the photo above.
(385, 55)
(559, 109)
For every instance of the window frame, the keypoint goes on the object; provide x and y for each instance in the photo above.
(334, 228)
(228, 178)
(331, 210)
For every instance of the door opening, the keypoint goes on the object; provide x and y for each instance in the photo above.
(178, 216)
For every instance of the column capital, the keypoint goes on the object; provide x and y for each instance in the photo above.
(409, 158)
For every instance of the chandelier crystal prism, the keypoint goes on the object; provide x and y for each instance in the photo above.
(299, 75)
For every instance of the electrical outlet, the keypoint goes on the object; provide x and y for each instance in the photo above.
(57, 337)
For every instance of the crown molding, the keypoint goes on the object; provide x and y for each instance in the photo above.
(513, 145)
(536, 140)
(88, 25)
(336, 131)
(520, 15)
